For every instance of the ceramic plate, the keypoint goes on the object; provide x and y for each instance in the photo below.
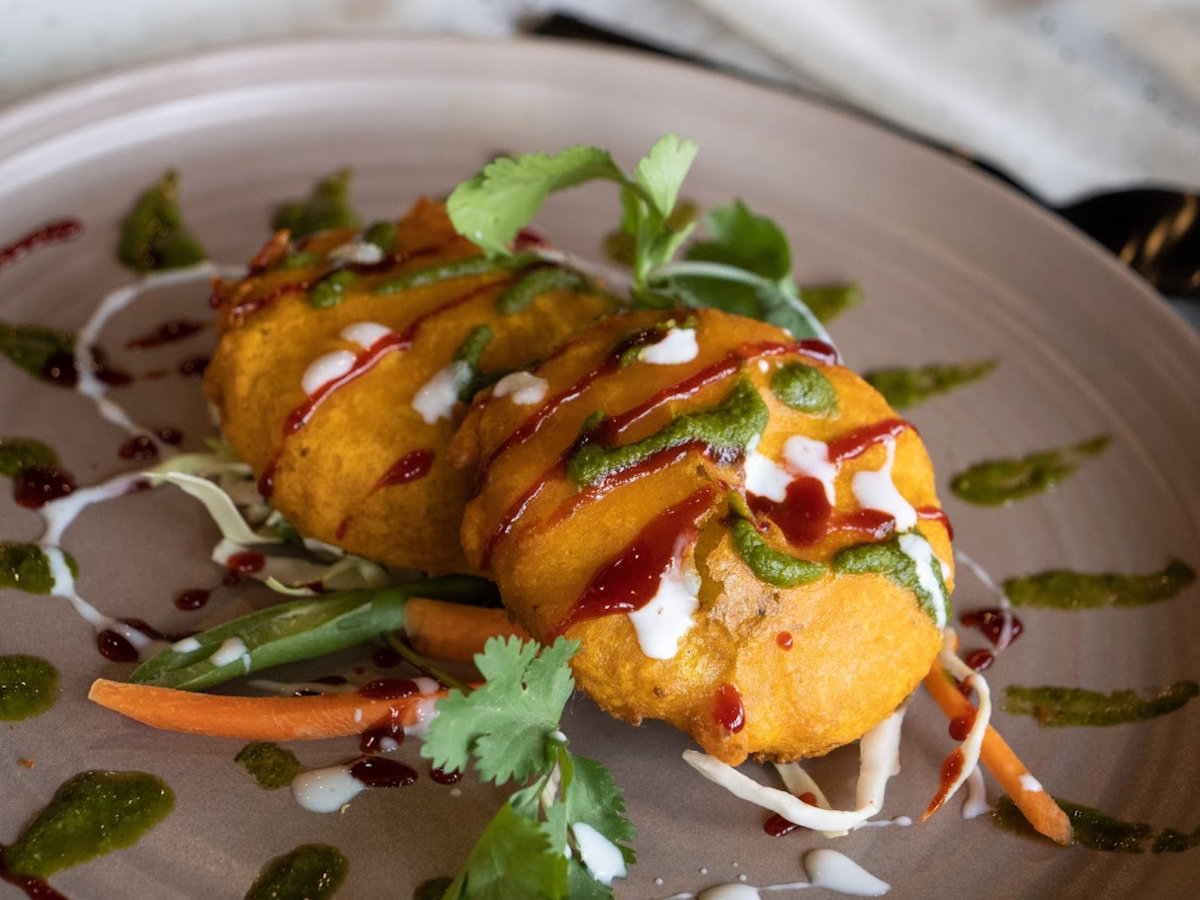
(952, 266)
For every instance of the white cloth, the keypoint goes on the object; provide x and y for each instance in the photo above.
(1067, 96)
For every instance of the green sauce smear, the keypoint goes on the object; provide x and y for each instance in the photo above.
(998, 482)
(533, 284)
(90, 815)
(272, 766)
(28, 687)
(32, 347)
(310, 872)
(804, 388)
(326, 207)
(25, 567)
(19, 454)
(331, 290)
(828, 301)
(730, 425)
(458, 268)
(1172, 841)
(1078, 706)
(154, 235)
(382, 235)
(1092, 828)
(1060, 589)
(889, 560)
(768, 564)
(903, 388)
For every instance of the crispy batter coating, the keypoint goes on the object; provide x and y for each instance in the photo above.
(778, 671)
(353, 462)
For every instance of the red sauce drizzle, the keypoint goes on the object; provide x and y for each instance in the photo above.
(859, 441)
(960, 726)
(168, 332)
(627, 582)
(518, 507)
(991, 622)
(728, 710)
(192, 599)
(246, 562)
(933, 514)
(51, 233)
(254, 305)
(784, 640)
(441, 776)
(193, 366)
(371, 740)
(376, 772)
(138, 448)
(59, 369)
(34, 888)
(386, 658)
(115, 647)
(408, 468)
(36, 486)
(950, 771)
(777, 826)
(363, 363)
(980, 659)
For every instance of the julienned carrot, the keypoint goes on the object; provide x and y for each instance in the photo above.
(1026, 792)
(256, 718)
(454, 631)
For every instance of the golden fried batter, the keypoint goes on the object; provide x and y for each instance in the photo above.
(667, 502)
(344, 412)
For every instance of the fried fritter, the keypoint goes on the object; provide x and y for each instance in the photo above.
(741, 533)
(346, 362)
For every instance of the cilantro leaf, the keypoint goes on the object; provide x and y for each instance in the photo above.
(741, 238)
(507, 721)
(661, 172)
(591, 796)
(498, 202)
(514, 859)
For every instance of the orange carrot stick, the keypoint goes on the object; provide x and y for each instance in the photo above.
(1034, 802)
(453, 631)
(255, 718)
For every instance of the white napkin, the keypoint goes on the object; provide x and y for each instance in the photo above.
(1069, 97)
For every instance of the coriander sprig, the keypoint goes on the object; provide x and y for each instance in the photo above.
(744, 266)
(563, 834)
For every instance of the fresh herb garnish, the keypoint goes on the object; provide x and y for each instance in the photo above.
(744, 267)
(563, 834)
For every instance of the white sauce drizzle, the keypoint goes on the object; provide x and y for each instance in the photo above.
(601, 856)
(426, 708)
(357, 251)
(663, 622)
(799, 782)
(232, 650)
(876, 489)
(326, 368)
(1031, 784)
(326, 790)
(187, 645)
(809, 457)
(365, 334)
(1005, 637)
(975, 804)
(524, 388)
(836, 871)
(919, 550)
(764, 477)
(677, 346)
(435, 399)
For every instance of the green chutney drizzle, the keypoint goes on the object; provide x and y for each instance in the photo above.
(1172, 841)
(327, 206)
(32, 347)
(804, 388)
(1078, 706)
(25, 567)
(154, 235)
(457, 268)
(828, 301)
(19, 454)
(1091, 828)
(310, 872)
(903, 388)
(28, 687)
(1001, 481)
(91, 814)
(533, 284)
(889, 560)
(469, 352)
(730, 425)
(769, 565)
(1061, 589)
(272, 766)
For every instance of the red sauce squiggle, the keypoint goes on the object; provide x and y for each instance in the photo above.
(933, 514)
(950, 771)
(408, 468)
(364, 361)
(518, 507)
(859, 441)
(51, 233)
(628, 581)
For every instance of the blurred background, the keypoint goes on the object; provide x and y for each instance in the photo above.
(1090, 106)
